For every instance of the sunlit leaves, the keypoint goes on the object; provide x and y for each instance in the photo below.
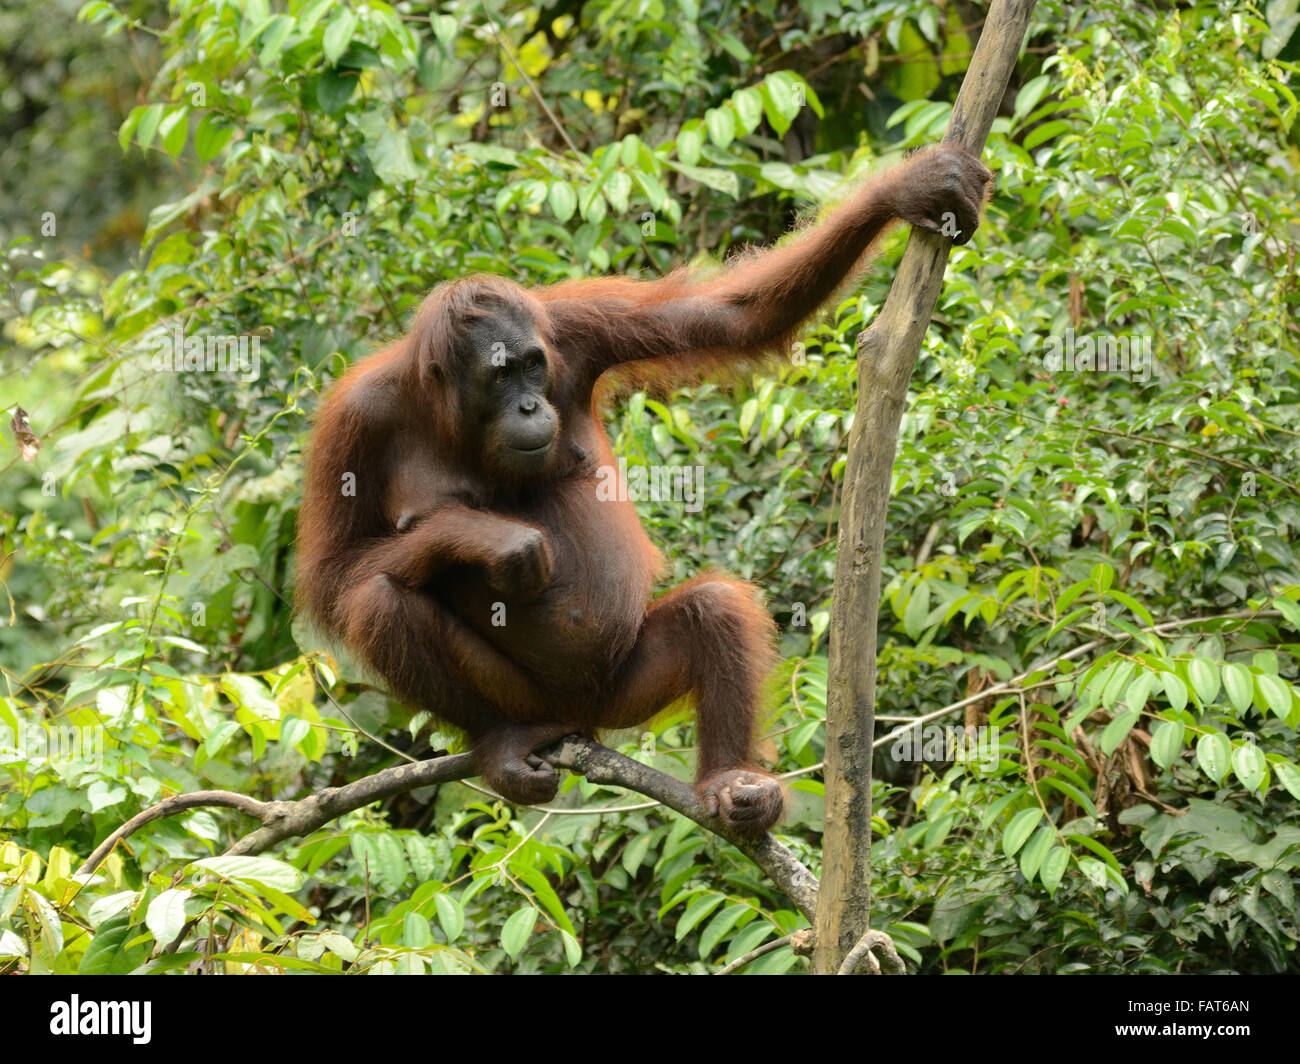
(1213, 754)
(338, 33)
(1019, 829)
(1167, 742)
(1088, 526)
(517, 930)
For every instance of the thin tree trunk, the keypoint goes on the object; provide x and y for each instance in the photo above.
(887, 355)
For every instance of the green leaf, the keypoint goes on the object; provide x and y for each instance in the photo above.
(107, 953)
(719, 926)
(1102, 576)
(543, 892)
(721, 125)
(1117, 730)
(653, 188)
(339, 945)
(1097, 848)
(429, 67)
(700, 907)
(286, 904)
(994, 811)
(618, 190)
(1249, 766)
(1053, 869)
(451, 916)
(749, 108)
(917, 610)
(1205, 679)
(572, 949)
(563, 200)
(173, 130)
(335, 88)
(1133, 605)
(1045, 132)
(733, 47)
(1279, 885)
(106, 908)
(1166, 742)
(131, 124)
(938, 831)
(148, 126)
(166, 915)
(1117, 683)
(779, 103)
(212, 136)
(635, 853)
(101, 796)
(1095, 871)
(11, 945)
(1071, 791)
(1175, 690)
(391, 157)
(1021, 827)
(517, 930)
(778, 962)
(416, 932)
(250, 693)
(689, 142)
(1032, 856)
(1136, 694)
(360, 56)
(1029, 95)
(1289, 776)
(273, 38)
(219, 736)
(1239, 685)
(1288, 609)
(311, 13)
(1275, 693)
(293, 731)
(749, 938)
(258, 870)
(445, 28)
(47, 917)
(363, 852)
(1212, 753)
(748, 414)
(392, 868)
(338, 34)
(714, 177)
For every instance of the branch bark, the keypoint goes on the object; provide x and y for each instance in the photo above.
(602, 765)
(288, 820)
(887, 355)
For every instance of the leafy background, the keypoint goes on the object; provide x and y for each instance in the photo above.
(1100, 567)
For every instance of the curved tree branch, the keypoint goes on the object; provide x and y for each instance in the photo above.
(179, 803)
(603, 765)
(876, 952)
(599, 764)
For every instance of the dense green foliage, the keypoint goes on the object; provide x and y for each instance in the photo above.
(1106, 559)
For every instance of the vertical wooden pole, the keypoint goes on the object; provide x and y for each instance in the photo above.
(886, 357)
